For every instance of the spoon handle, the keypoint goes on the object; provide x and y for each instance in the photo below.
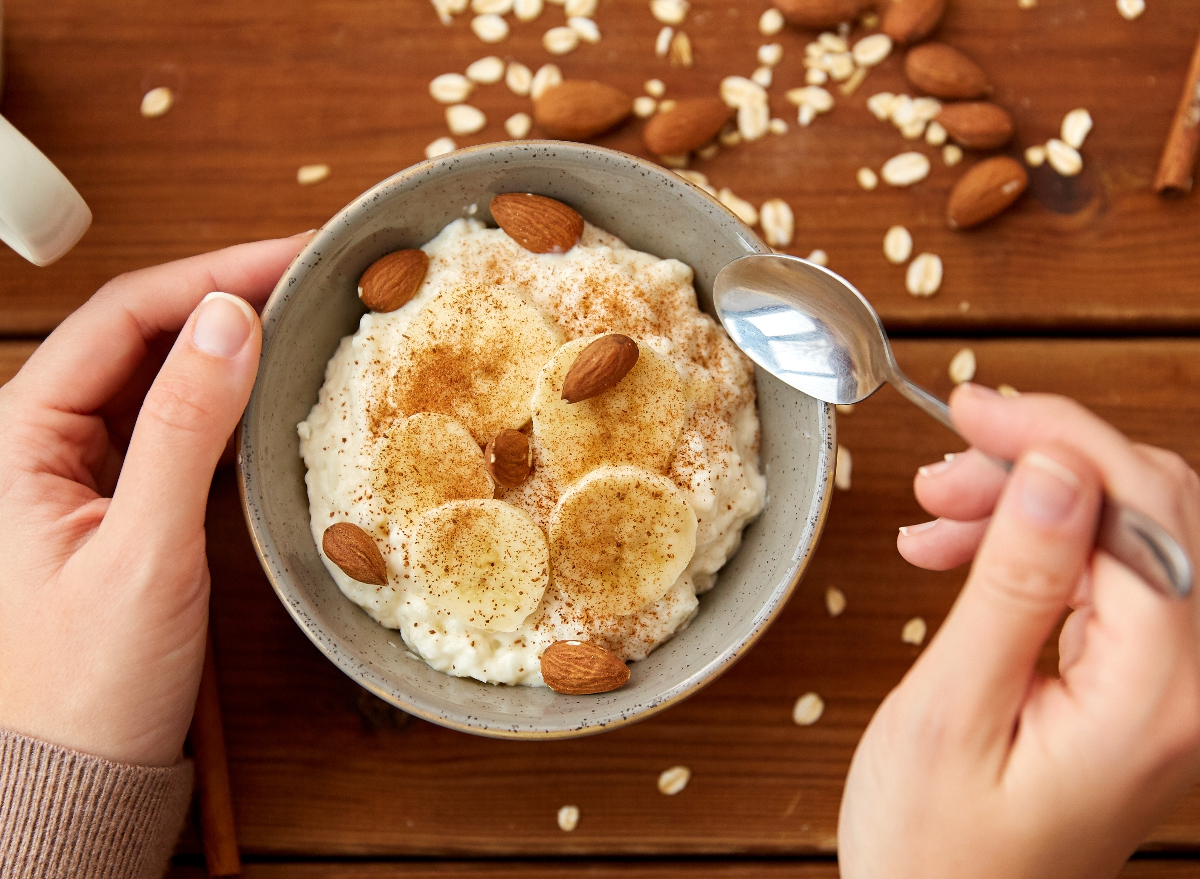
(1128, 535)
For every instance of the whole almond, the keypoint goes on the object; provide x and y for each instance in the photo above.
(354, 551)
(392, 280)
(509, 458)
(945, 72)
(985, 191)
(537, 223)
(689, 125)
(977, 125)
(599, 367)
(579, 668)
(578, 109)
(821, 13)
(907, 21)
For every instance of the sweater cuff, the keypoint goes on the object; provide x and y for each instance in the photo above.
(65, 813)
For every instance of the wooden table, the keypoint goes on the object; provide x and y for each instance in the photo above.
(1089, 287)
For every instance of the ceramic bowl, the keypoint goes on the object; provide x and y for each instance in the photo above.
(315, 305)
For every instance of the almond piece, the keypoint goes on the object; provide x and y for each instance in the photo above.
(977, 125)
(599, 367)
(392, 280)
(578, 109)
(579, 668)
(821, 13)
(354, 551)
(945, 72)
(985, 191)
(509, 458)
(537, 223)
(908, 21)
(689, 125)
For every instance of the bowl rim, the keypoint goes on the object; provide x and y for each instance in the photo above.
(366, 677)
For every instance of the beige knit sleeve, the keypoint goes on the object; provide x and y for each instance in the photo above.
(64, 813)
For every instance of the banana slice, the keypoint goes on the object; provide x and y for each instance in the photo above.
(473, 353)
(482, 562)
(637, 422)
(619, 538)
(426, 460)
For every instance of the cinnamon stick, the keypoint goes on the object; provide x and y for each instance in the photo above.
(1176, 170)
(212, 775)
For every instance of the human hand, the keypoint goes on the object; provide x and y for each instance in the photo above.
(975, 764)
(112, 432)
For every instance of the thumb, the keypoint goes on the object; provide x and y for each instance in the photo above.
(186, 419)
(1036, 549)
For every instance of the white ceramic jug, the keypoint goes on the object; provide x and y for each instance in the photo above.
(41, 214)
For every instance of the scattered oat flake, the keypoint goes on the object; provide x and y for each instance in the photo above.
(662, 43)
(669, 11)
(1007, 391)
(744, 211)
(881, 105)
(870, 20)
(851, 85)
(440, 147)
(464, 119)
(527, 10)
(486, 70)
(778, 223)
(708, 151)
(676, 162)
(867, 179)
(770, 22)
(446, 9)
(157, 101)
(935, 134)
(1131, 9)
(587, 29)
(560, 40)
(1075, 127)
(808, 709)
(778, 126)
(1063, 158)
(913, 130)
(962, 366)
(546, 78)
(1035, 156)
(816, 76)
(568, 818)
(450, 88)
(307, 175)
(729, 138)
(580, 8)
(495, 7)
(843, 464)
(762, 76)
(680, 53)
(832, 42)
(667, 106)
(518, 125)
(897, 245)
(872, 50)
(770, 54)
(835, 601)
(518, 78)
(924, 275)
(737, 91)
(644, 106)
(952, 154)
(674, 780)
(905, 169)
(818, 257)
(753, 120)
(655, 88)
(914, 632)
(490, 28)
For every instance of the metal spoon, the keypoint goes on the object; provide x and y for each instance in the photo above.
(811, 329)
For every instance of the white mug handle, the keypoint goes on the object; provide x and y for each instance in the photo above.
(41, 214)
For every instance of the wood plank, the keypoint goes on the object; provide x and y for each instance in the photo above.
(1136, 869)
(264, 88)
(320, 768)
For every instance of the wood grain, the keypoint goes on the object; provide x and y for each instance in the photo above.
(265, 88)
(1136, 869)
(318, 769)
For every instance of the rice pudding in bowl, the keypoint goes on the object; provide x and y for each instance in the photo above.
(636, 496)
(315, 305)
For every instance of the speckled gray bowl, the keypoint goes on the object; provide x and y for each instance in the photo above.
(315, 304)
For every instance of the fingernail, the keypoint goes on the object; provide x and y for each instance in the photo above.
(304, 234)
(937, 467)
(979, 390)
(910, 530)
(1048, 489)
(222, 326)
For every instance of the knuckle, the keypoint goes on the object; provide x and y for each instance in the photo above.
(1020, 583)
(177, 403)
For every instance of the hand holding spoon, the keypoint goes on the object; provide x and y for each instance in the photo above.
(812, 330)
